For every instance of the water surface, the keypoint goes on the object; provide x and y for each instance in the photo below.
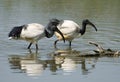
(19, 64)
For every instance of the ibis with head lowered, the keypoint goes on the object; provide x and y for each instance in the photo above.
(70, 29)
(34, 32)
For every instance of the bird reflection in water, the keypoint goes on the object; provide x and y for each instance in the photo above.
(70, 60)
(60, 60)
(29, 64)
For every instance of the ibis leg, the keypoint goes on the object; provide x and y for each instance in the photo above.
(55, 42)
(29, 45)
(70, 43)
(37, 46)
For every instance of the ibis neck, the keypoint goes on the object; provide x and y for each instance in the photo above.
(48, 33)
(83, 30)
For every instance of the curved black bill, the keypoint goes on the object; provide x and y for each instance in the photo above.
(92, 25)
(57, 30)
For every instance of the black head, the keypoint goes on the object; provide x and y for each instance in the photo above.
(52, 27)
(54, 22)
(15, 32)
(87, 22)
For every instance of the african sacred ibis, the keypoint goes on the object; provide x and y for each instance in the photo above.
(70, 29)
(33, 32)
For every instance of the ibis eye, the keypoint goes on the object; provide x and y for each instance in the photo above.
(13, 35)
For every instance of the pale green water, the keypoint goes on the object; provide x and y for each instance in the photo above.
(16, 60)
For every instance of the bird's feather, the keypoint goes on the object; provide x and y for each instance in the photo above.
(69, 29)
(33, 30)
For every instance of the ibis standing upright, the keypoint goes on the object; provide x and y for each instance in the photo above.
(34, 32)
(70, 29)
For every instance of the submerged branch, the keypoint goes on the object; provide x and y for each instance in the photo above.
(104, 52)
(98, 52)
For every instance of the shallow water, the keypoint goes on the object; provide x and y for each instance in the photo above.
(19, 64)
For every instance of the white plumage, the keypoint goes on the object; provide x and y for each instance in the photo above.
(71, 30)
(33, 33)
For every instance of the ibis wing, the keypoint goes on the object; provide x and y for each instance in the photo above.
(69, 28)
(33, 30)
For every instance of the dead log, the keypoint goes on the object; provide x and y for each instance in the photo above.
(104, 52)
